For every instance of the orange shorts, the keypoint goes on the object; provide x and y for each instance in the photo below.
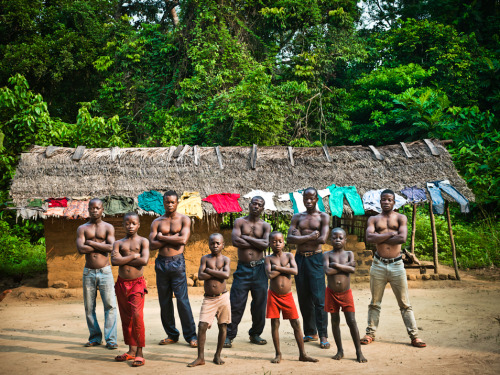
(334, 301)
(281, 302)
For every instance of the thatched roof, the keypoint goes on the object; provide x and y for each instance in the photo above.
(131, 171)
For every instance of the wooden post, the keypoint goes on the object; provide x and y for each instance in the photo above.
(413, 228)
(452, 240)
(434, 237)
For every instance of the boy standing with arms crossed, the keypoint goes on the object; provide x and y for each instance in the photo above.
(279, 268)
(215, 270)
(131, 254)
(338, 265)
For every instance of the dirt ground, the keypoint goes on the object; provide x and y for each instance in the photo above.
(42, 331)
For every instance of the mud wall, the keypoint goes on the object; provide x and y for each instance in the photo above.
(65, 265)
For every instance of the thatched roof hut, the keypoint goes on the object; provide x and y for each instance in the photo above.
(52, 172)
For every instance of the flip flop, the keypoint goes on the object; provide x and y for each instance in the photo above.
(138, 362)
(366, 340)
(167, 341)
(90, 344)
(417, 343)
(324, 345)
(124, 357)
(256, 339)
(311, 338)
(193, 343)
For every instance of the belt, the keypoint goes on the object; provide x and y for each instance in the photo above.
(214, 295)
(253, 263)
(388, 260)
(309, 253)
(175, 257)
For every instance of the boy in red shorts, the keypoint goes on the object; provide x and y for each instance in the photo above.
(338, 265)
(131, 254)
(279, 268)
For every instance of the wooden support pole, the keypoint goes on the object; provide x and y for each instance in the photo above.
(434, 237)
(452, 240)
(219, 157)
(405, 149)
(413, 228)
(432, 148)
(253, 156)
(290, 156)
(376, 152)
(196, 153)
(327, 154)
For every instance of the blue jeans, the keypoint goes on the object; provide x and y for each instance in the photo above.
(311, 287)
(435, 188)
(171, 278)
(101, 278)
(254, 280)
(394, 274)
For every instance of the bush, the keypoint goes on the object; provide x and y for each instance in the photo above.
(18, 256)
(477, 243)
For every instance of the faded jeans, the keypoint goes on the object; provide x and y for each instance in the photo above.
(102, 279)
(395, 274)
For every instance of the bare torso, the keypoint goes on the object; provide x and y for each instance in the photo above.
(341, 281)
(281, 284)
(251, 229)
(170, 226)
(128, 246)
(384, 224)
(307, 224)
(97, 232)
(215, 286)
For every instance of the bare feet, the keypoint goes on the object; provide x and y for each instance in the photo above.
(217, 360)
(360, 358)
(198, 362)
(339, 355)
(277, 359)
(306, 358)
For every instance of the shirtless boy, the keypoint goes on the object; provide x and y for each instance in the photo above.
(338, 265)
(95, 239)
(279, 268)
(170, 233)
(309, 230)
(131, 254)
(251, 236)
(214, 269)
(388, 231)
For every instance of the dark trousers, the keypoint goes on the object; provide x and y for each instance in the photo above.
(310, 283)
(171, 278)
(245, 279)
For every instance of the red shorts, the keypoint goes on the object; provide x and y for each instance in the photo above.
(281, 302)
(334, 301)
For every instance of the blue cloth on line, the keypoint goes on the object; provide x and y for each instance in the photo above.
(151, 201)
(414, 194)
(435, 188)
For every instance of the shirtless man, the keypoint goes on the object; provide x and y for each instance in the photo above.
(170, 233)
(309, 230)
(279, 268)
(95, 239)
(214, 269)
(388, 231)
(251, 236)
(131, 254)
(338, 265)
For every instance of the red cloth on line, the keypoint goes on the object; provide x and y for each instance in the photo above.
(334, 301)
(130, 296)
(58, 202)
(281, 302)
(225, 202)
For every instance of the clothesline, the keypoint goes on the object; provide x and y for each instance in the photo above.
(151, 202)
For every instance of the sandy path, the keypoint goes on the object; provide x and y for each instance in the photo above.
(458, 322)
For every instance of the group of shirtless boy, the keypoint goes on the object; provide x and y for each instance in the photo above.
(252, 236)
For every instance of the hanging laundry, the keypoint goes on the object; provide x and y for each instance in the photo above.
(35, 203)
(298, 201)
(371, 200)
(115, 205)
(190, 204)
(55, 211)
(225, 202)
(414, 194)
(268, 198)
(151, 201)
(435, 188)
(336, 200)
(77, 210)
(58, 202)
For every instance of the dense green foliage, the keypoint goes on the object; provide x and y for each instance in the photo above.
(271, 72)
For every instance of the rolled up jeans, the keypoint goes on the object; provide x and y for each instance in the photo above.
(93, 279)
(395, 274)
